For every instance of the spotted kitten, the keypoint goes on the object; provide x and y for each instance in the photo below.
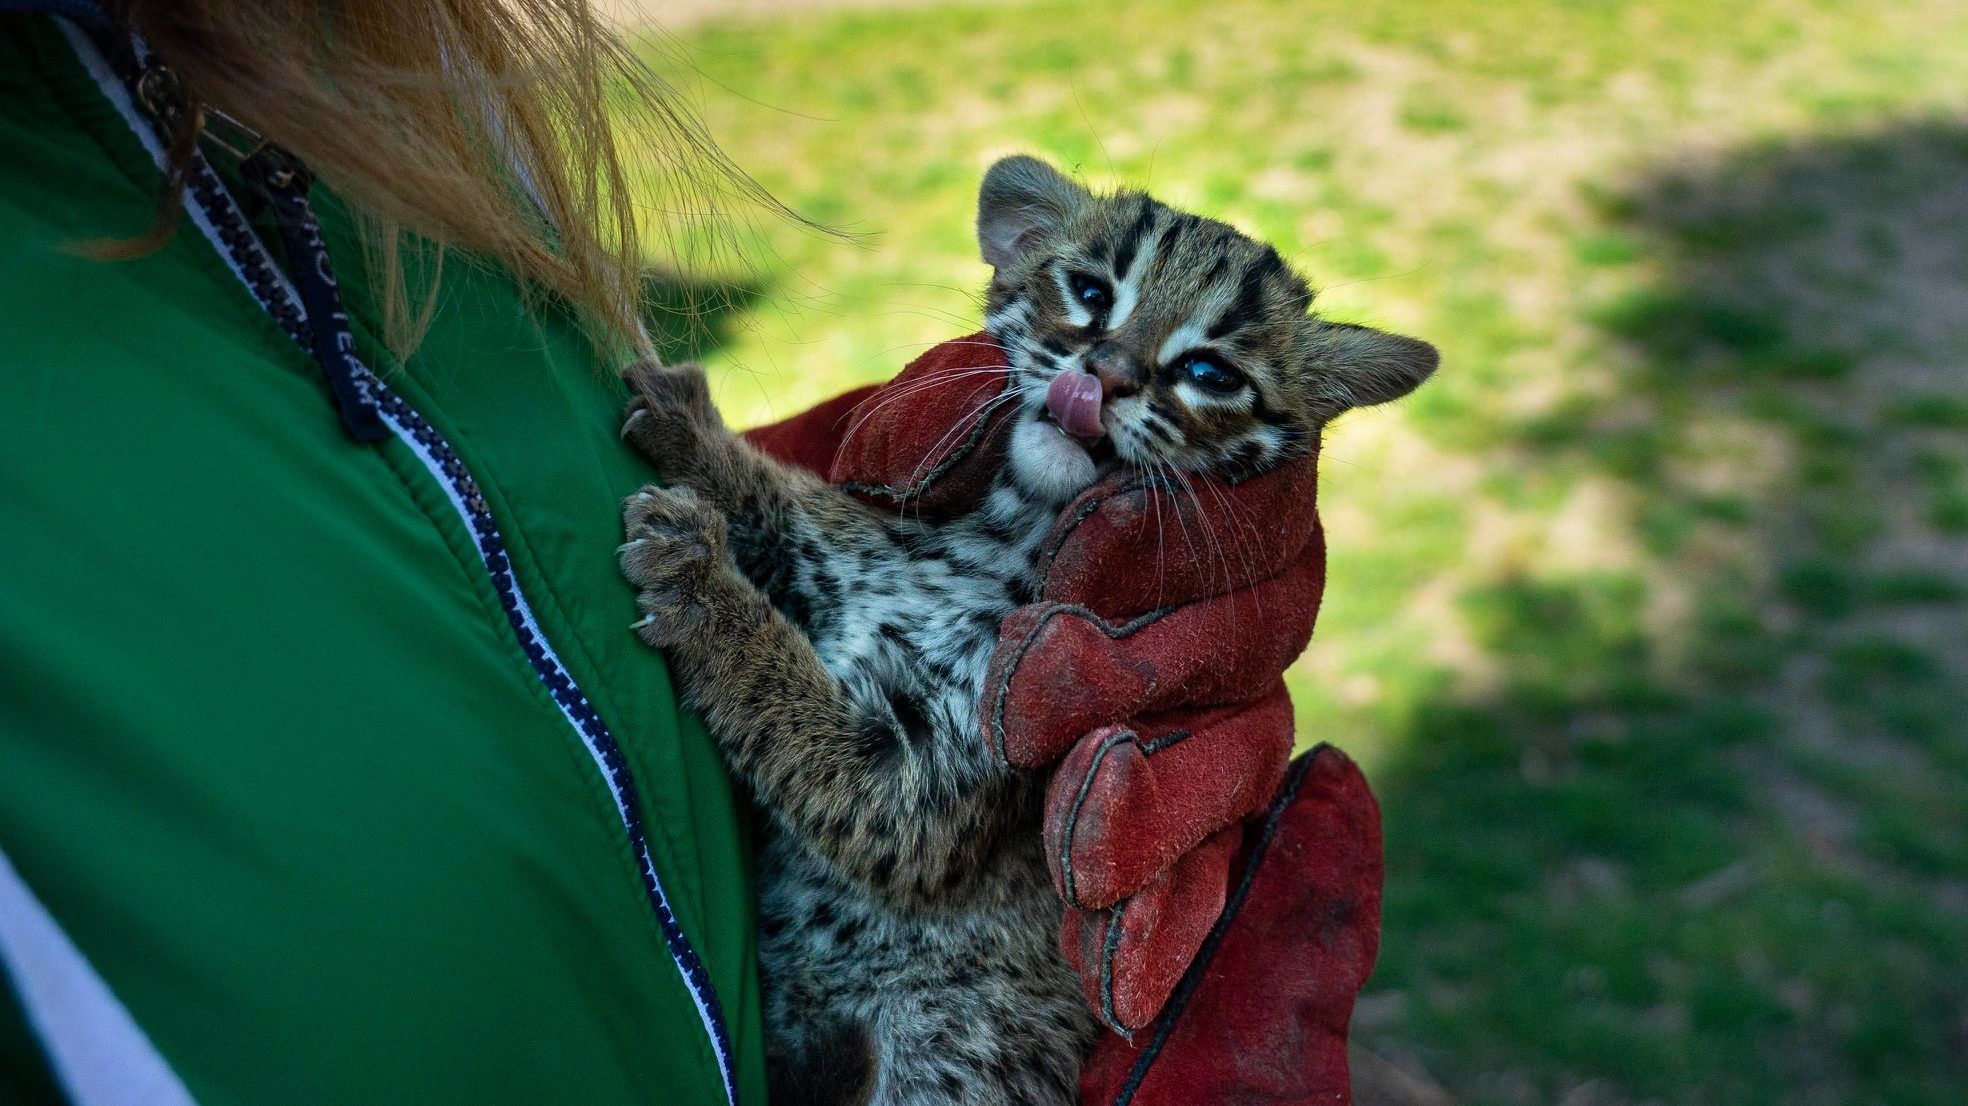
(837, 652)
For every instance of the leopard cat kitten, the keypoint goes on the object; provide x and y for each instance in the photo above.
(837, 652)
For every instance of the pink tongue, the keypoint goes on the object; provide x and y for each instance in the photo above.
(1074, 400)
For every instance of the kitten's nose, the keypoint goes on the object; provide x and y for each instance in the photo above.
(1119, 373)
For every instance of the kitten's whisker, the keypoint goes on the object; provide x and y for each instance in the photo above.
(983, 413)
(937, 313)
(905, 392)
(1215, 548)
(1219, 559)
(965, 343)
(961, 425)
(1229, 510)
(1161, 537)
(1246, 536)
(1246, 525)
(1172, 502)
(928, 380)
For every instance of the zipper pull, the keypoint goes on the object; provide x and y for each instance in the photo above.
(284, 181)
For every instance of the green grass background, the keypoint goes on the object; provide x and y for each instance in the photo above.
(1648, 617)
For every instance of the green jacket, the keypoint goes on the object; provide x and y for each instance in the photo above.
(280, 787)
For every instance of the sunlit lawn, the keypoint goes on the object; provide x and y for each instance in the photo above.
(1649, 617)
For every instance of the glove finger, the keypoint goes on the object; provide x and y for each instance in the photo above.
(1262, 1013)
(1130, 545)
(931, 439)
(1060, 671)
(1123, 807)
(1132, 956)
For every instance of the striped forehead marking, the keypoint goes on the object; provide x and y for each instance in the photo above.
(1131, 266)
(1248, 303)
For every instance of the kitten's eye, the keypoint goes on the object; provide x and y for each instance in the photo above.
(1211, 375)
(1092, 292)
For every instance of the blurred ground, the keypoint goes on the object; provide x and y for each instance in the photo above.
(1649, 617)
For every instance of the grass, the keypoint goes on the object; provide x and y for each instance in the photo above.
(1649, 617)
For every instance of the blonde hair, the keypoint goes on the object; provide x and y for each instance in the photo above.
(461, 124)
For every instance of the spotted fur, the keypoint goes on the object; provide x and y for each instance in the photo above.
(837, 653)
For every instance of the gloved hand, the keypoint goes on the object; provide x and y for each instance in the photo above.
(1262, 1013)
(1149, 669)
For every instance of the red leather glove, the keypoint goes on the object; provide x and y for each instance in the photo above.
(1262, 1013)
(926, 441)
(1150, 670)
(1159, 692)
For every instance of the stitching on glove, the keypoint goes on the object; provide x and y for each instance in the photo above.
(1073, 817)
(1057, 539)
(1071, 830)
(1111, 947)
(994, 733)
(1155, 745)
(1192, 978)
(904, 492)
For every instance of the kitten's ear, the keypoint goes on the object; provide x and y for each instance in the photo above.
(1372, 366)
(1022, 197)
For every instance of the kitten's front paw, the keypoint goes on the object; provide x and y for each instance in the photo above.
(670, 413)
(674, 556)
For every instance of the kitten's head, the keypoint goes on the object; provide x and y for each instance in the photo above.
(1144, 336)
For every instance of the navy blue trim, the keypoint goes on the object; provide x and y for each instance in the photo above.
(568, 696)
(329, 339)
(320, 324)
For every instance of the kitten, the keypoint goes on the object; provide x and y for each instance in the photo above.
(837, 652)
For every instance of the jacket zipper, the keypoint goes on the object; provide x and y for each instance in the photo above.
(213, 210)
